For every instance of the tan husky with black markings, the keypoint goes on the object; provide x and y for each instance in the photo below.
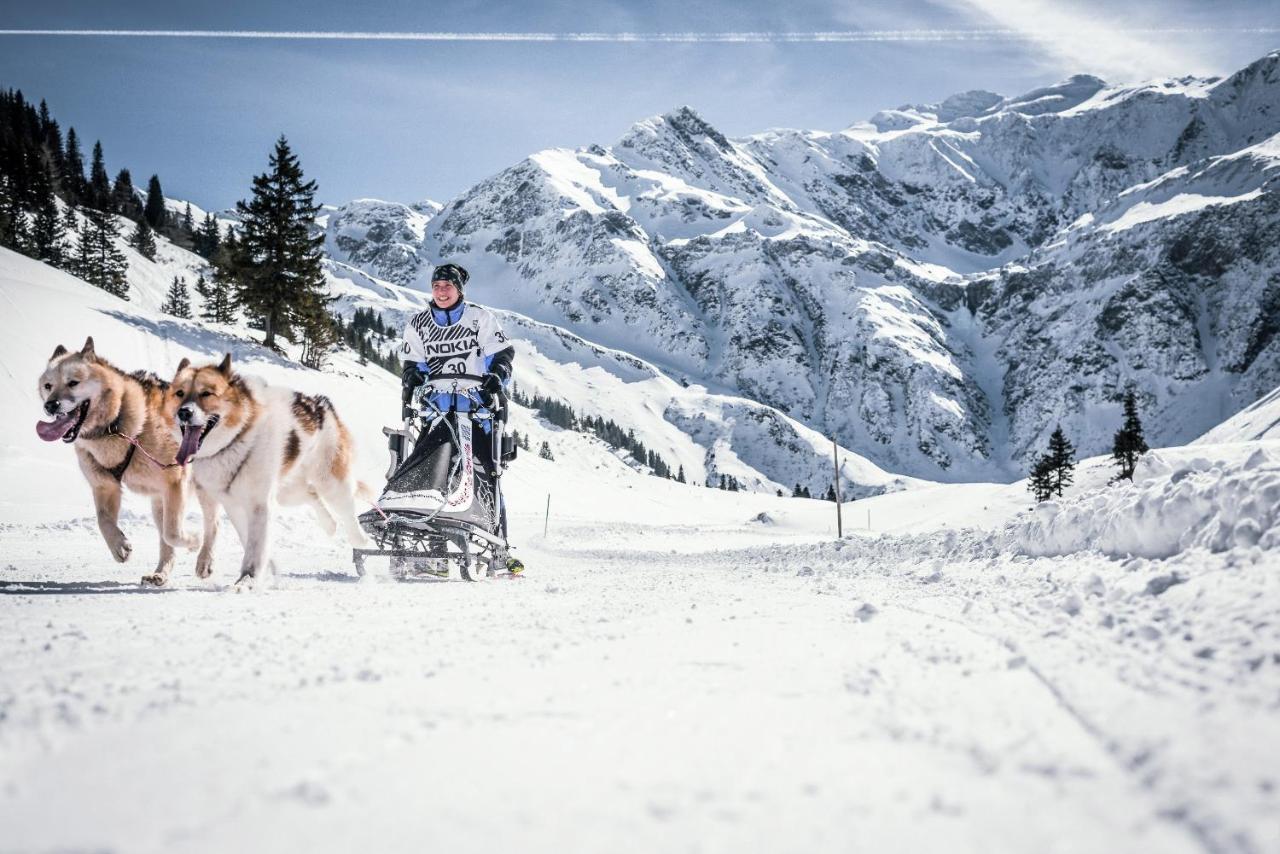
(110, 417)
(249, 444)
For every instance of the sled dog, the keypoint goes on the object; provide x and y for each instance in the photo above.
(98, 408)
(249, 444)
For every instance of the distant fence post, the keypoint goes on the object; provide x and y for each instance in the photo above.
(547, 520)
(835, 458)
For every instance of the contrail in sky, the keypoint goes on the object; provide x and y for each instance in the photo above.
(839, 36)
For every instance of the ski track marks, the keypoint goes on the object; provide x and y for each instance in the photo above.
(897, 694)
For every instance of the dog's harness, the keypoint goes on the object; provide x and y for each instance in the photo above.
(134, 445)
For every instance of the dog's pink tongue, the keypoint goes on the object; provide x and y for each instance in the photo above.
(190, 444)
(52, 431)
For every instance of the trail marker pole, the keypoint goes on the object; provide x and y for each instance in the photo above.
(547, 520)
(835, 459)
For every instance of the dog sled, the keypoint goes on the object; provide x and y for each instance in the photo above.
(441, 514)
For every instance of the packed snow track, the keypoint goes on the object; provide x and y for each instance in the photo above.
(911, 695)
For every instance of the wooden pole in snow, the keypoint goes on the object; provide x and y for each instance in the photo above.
(547, 520)
(835, 458)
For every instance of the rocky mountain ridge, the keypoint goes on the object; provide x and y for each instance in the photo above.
(936, 288)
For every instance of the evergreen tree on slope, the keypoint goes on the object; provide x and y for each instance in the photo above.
(177, 301)
(1129, 443)
(279, 271)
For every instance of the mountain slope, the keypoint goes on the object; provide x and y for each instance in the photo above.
(868, 282)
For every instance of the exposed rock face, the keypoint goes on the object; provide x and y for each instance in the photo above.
(937, 289)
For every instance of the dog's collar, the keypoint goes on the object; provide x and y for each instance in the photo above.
(112, 429)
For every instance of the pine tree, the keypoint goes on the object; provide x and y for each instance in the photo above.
(99, 183)
(188, 221)
(98, 260)
(123, 196)
(178, 302)
(319, 333)
(14, 233)
(545, 452)
(1040, 484)
(1061, 460)
(144, 240)
(279, 268)
(680, 475)
(202, 286)
(208, 240)
(220, 304)
(1129, 442)
(153, 210)
(831, 493)
(46, 224)
(804, 492)
(797, 492)
(528, 446)
(74, 187)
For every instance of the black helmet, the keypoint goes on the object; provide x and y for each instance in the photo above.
(451, 273)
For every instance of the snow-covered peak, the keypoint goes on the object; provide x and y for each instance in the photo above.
(1057, 98)
(380, 237)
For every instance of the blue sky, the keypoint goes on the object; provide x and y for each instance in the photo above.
(407, 120)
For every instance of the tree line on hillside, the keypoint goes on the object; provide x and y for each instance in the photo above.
(607, 430)
(267, 267)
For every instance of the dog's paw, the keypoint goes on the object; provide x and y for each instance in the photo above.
(121, 549)
(204, 566)
(155, 579)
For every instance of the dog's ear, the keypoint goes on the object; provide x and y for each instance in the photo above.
(86, 351)
(58, 351)
(225, 367)
(185, 363)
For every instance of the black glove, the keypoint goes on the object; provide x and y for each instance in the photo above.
(492, 383)
(410, 378)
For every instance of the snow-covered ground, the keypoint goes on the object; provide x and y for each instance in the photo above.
(679, 668)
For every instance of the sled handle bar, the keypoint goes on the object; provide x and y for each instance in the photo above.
(502, 393)
(435, 377)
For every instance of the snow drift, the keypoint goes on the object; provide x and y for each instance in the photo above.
(1211, 497)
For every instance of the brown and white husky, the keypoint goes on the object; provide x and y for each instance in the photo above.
(103, 412)
(249, 444)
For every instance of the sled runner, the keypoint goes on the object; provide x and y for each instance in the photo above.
(441, 514)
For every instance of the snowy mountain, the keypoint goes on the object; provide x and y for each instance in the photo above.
(937, 287)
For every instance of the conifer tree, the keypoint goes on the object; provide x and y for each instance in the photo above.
(154, 210)
(545, 452)
(319, 332)
(144, 240)
(99, 183)
(1061, 460)
(680, 475)
(178, 301)
(188, 221)
(123, 197)
(1129, 443)
(804, 492)
(220, 303)
(14, 232)
(46, 223)
(279, 271)
(73, 183)
(208, 239)
(831, 494)
(1040, 484)
(796, 493)
(202, 286)
(98, 261)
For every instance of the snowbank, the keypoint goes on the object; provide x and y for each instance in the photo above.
(1211, 497)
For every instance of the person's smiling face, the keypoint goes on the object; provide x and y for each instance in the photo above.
(445, 293)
